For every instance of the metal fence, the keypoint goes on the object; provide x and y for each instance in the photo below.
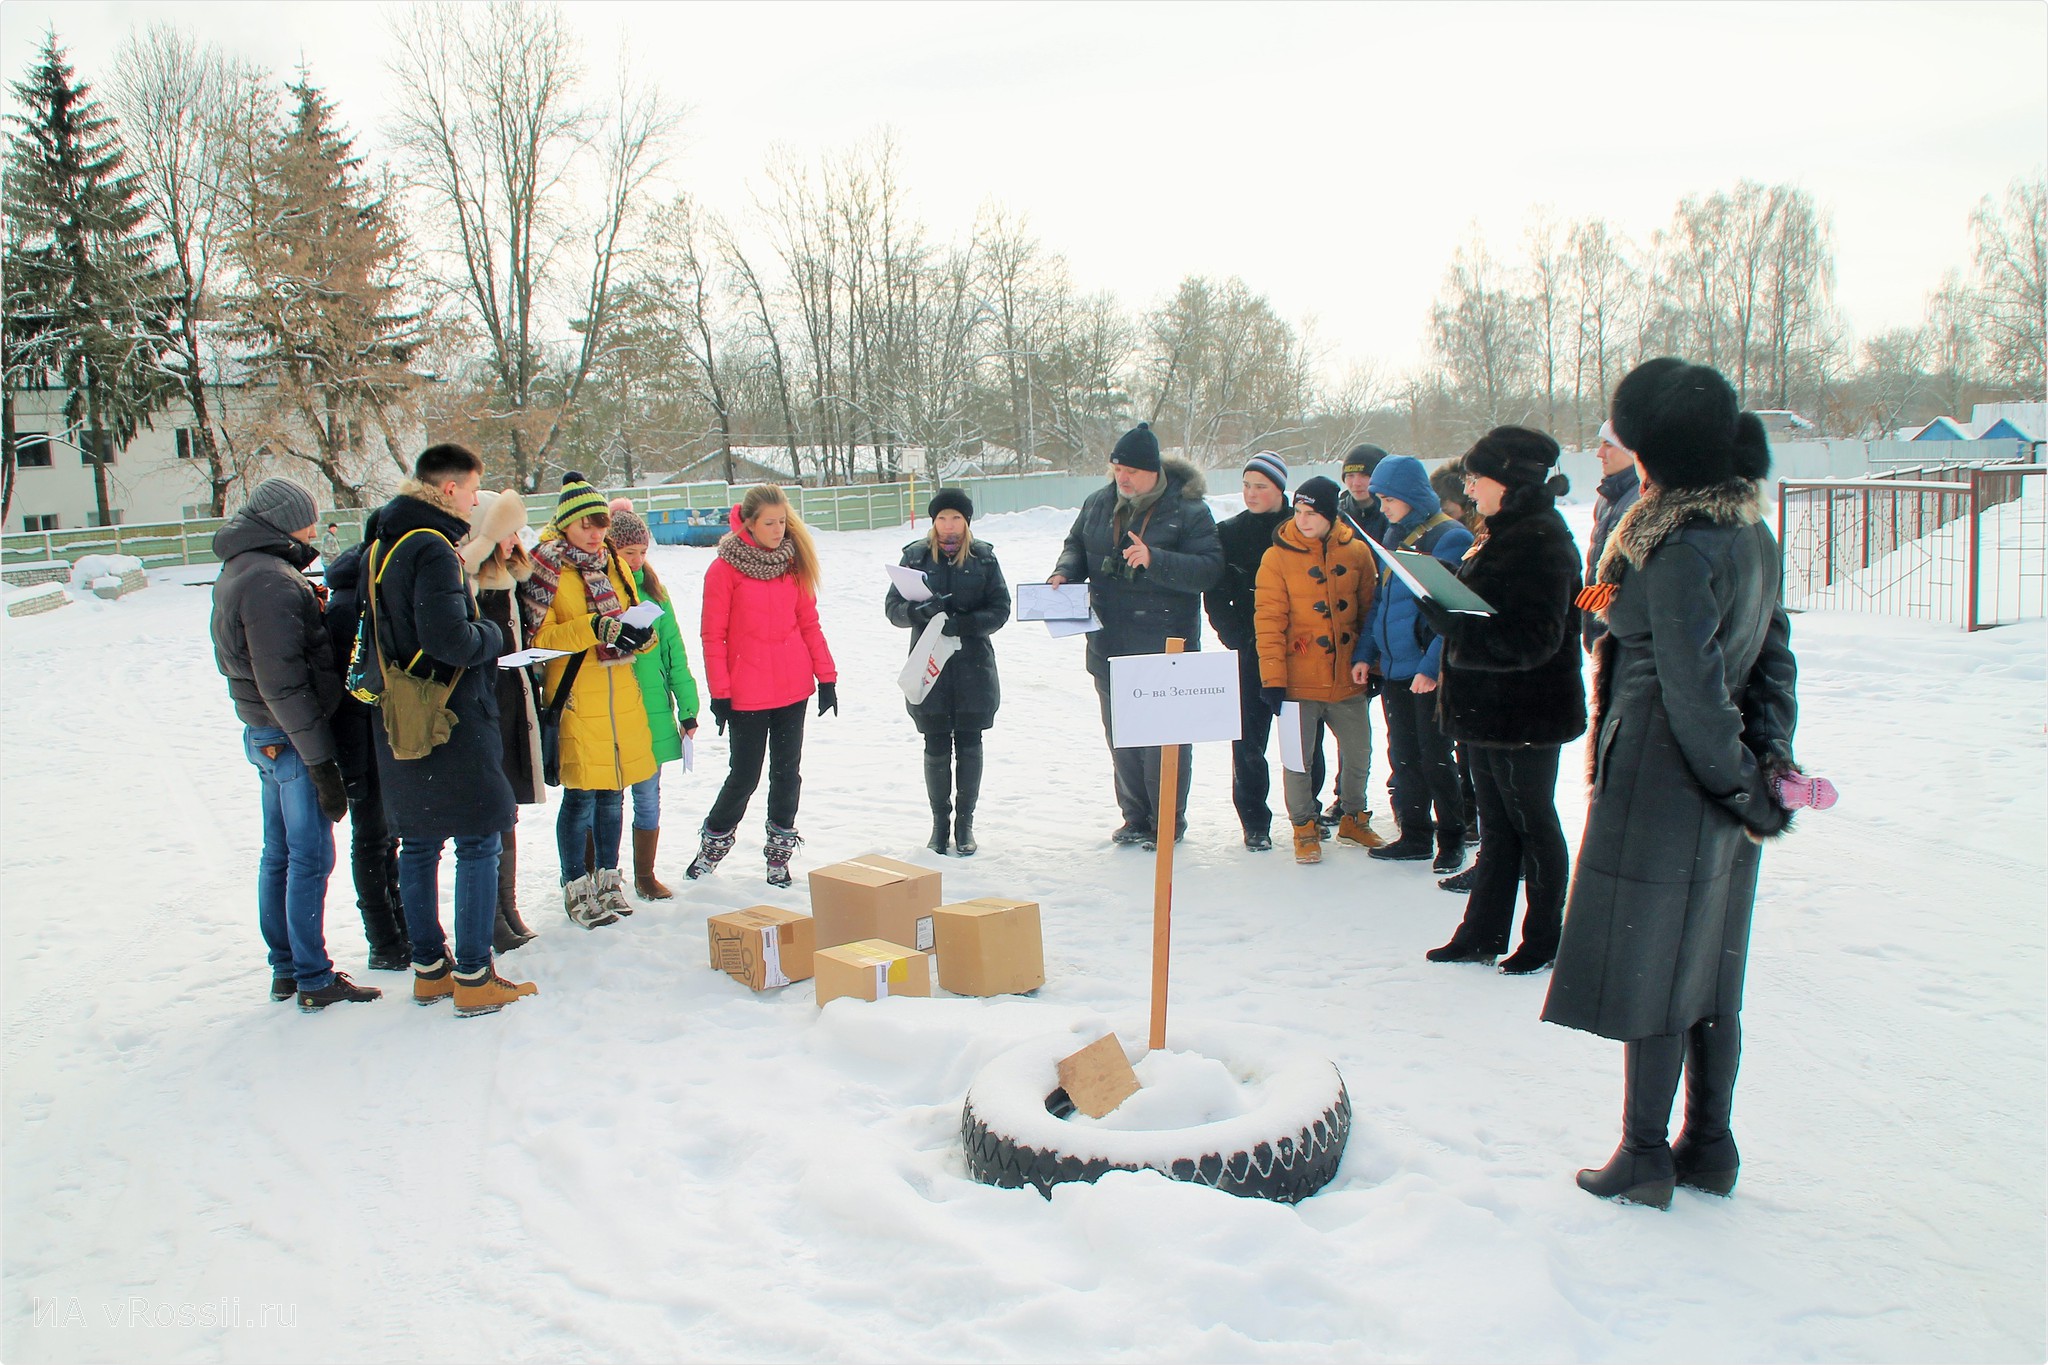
(1954, 543)
(854, 507)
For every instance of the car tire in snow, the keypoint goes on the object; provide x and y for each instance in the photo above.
(1285, 1148)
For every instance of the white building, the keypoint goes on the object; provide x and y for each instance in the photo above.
(159, 476)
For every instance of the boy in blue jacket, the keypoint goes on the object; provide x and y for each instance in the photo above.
(1398, 644)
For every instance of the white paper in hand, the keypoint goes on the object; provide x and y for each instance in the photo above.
(528, 538)
(1060, 630)
(909, 582)
(529, 656)
(1047, 602)
(689, 752)
(1290, 738)
(642, 614)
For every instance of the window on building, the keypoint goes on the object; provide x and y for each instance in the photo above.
(195, 511)
(188, 443)
(32, 450)
(116, 516)
(46, 522)
(91, 443)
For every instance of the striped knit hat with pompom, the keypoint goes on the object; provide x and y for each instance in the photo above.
(578, 500)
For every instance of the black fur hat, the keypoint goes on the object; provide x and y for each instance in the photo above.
(950, 500)
(1518, 457)
(1686, 426)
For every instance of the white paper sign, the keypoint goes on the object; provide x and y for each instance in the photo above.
(909, 582)
(1060, 630)
(1290, 738)
(642, 614)
(689, 753)
(1159, 699)
(1044, 602)
(523, 657)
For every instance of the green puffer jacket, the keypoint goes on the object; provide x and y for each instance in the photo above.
(666, 684)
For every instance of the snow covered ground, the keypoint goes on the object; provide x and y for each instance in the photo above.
(647, 1162)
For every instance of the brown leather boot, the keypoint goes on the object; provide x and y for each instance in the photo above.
(1357, 829)
(1308, 842)
(487, 992)
(646, 885)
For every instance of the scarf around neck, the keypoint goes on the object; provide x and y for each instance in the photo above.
(1655, 518)
(753, 561)
(553, 557)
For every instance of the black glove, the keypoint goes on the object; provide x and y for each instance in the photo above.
(607, 629)
(955, 625)
(1440, 621)
(721, 711)
(828, 698)
(328, 786)
(922, 612)
(633, 639)
(689, 725)
(1274, 697)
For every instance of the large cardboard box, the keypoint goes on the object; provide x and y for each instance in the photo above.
(872, 970)
(989, 946)
(874, 897)
(762, 946)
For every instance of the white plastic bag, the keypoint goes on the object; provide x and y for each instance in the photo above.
(921, 670)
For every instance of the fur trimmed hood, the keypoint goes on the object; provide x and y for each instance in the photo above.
(1662, 512)
(1193, 485)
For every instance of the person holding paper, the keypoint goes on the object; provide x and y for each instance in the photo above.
(667, 688)
(1145, 543)
(1512, 691)
(1315, 589)
(1245, 538)
(1695, 703)
(968, 591)
(577, 600)
(763, 651)
(497, 565)
(1399, 645)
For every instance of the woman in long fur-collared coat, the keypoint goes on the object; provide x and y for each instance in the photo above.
(1694, 708)
(497, 565)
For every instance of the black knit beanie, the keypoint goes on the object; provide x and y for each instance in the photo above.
(1517, 457)
(1321, 496)
(1363, 460)
(950, 500)
(1137, 448)
(1687, 427)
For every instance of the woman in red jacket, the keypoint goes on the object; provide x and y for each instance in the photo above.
(762, 650)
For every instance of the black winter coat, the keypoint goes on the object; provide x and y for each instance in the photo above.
(1695, 703)
(1368, 516)
(269, 641)
(1618, 493)
(1513, 678)
(1245, 539)
(354, 742)
(425, 605)
(1141, 609)
(518, 699)
(968, 692)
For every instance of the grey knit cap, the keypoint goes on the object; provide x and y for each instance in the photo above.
(282, 505)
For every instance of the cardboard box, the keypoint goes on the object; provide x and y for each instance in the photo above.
(875, 897)
(872, 970)
(761, 946)
(989, 946)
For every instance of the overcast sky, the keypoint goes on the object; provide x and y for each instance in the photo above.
(1331, 155)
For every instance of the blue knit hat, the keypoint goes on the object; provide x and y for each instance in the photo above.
(1270, 464)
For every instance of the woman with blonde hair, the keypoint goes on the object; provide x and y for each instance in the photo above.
(497, 565)
(969, 592)
(576, 601)
(764, 655)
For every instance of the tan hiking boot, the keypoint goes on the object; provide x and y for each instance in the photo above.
(433, 983)
(1308, 842)
(487, 993)
(1357, 829)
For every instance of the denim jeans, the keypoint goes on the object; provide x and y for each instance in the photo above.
(476, 898)
(647, 802)
(595, 812)
(298, 853)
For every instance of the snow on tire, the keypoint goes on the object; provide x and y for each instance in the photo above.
(1285, 1148)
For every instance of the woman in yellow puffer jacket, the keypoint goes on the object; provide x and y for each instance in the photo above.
(574, 601)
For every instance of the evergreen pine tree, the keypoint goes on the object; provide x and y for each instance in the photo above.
(320, 306)
(86, 298)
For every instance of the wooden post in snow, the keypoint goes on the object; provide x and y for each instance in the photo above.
(1165, 822)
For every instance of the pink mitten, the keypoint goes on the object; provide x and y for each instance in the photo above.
(1797, 791)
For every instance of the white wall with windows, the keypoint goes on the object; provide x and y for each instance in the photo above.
(156, 477)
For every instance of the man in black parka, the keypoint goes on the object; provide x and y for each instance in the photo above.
(1145, 543)
(428, 624)
(1245, 539)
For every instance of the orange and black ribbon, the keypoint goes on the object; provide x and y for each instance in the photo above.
(1595, 597)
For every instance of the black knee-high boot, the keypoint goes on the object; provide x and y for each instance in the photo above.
(1640, 1170)
(968, 777)
(1704, 1157)
(938, 785)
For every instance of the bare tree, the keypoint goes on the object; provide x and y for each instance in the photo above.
(761, 319)
(2011, 258)
(184, 108)
(1482, 337)
(504, 150)
(1549, 261)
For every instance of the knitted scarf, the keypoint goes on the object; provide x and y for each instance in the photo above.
(550, 559)
(753, 561)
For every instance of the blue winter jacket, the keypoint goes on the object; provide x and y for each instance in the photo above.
(1395, 639)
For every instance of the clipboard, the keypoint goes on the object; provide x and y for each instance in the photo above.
(1427, 576)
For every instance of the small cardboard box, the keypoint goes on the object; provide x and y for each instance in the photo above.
(989, 946)
(872, 970)
(761, 946)
(874, 897)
